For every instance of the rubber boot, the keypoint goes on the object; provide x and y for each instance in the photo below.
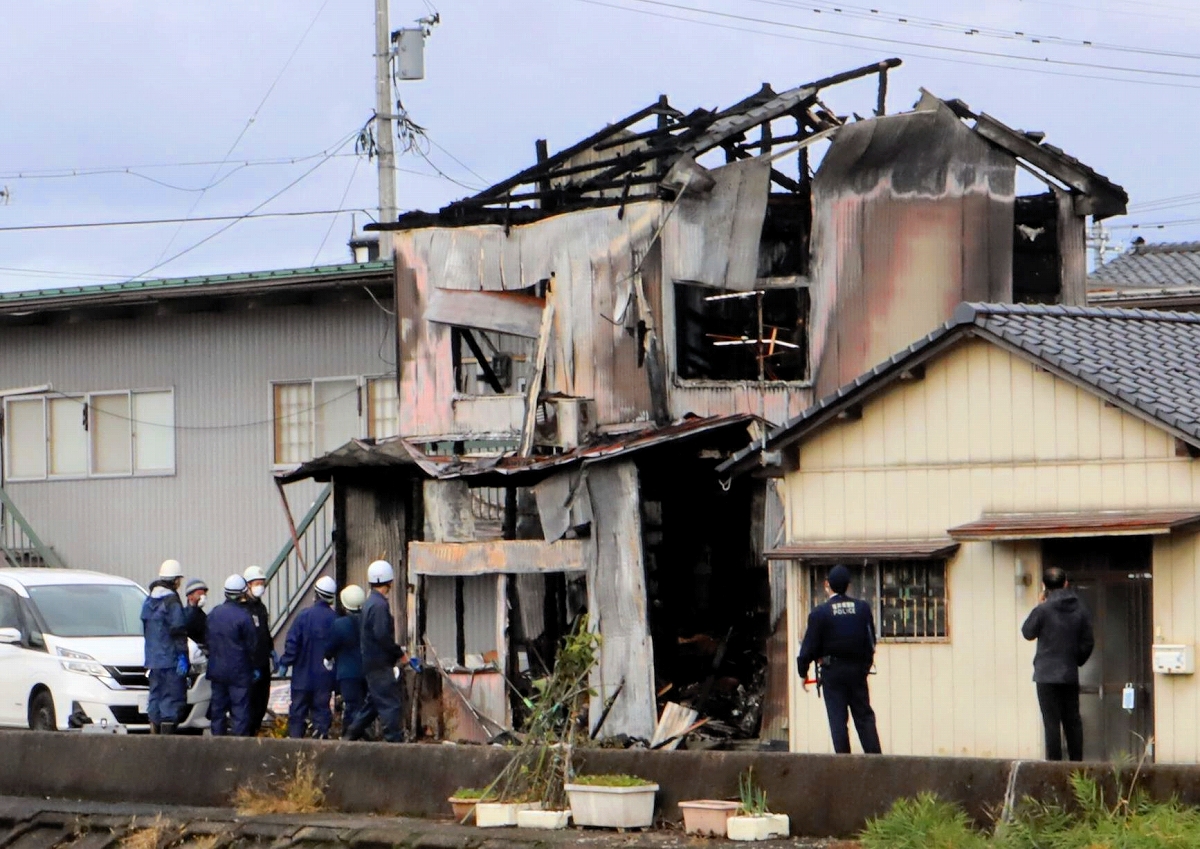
(166, 728)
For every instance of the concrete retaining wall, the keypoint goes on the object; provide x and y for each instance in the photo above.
(824, 795)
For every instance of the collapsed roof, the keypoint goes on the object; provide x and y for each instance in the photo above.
(635, 157)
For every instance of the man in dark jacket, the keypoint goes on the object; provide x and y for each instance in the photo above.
(344, 656)
(231, 639)
(840, 639)
(312, 683)
(380, 654)
(196, 592)
(166, 657)
(265, 659)
(1062, 627)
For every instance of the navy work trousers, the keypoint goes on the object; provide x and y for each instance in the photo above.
(260, 697)
(385, 701)
(354, 694)
(230, 700)
(844, 686)
(306, 704)
(1060, 718)
(168, 696)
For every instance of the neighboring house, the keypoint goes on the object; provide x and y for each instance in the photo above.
(1162, 275)
(144, 420)
(638, 296)
(947, 478)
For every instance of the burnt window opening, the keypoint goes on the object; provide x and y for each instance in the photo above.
(488, 363)
(787, 227)
(717, 334)
(1037, 266)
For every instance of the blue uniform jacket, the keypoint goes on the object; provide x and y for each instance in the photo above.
(231, 642)
(307, 643)
(842, 628)
(164, 625)
(379, 649)
(344, 646)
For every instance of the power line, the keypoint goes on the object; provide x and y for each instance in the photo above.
(342, 202)
(902, 42)
(828, 43)
(139, 222)
(234, 222)
(242, 134)
(882, 16)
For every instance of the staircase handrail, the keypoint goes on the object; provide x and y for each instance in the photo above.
(288, 547)
(47, 554)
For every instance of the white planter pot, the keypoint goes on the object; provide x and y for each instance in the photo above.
(758, 828)
(612, 807)
(548, 820)
(501, 814)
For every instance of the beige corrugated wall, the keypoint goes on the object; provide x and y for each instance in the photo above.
(987, 431)
(220, 511)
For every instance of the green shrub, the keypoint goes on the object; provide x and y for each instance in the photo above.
(925, 822)
(610, 780)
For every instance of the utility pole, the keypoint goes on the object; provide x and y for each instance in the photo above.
(385, 133)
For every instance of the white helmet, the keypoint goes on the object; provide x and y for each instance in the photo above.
(254, 573)
(326, 588)
(235, 585)
(170, 569)
(380, 572)
(353, 597)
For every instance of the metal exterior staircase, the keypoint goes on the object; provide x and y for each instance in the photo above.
(19, 545)
(294, 570)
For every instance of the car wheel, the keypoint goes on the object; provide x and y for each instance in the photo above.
(41, 712)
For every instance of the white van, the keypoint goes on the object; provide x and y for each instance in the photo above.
(72, 653)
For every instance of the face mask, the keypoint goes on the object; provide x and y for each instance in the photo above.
(200, 601)
(258, 590)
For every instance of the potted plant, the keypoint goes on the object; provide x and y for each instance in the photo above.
(612, 801)
(707, 817)
(463, 802)
(755, 820)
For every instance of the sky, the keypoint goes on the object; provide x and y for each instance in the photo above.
(143, 110)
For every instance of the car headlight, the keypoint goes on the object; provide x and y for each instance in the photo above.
(85, 664)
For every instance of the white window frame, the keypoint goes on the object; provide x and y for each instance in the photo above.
(362, 383)
(89, 474)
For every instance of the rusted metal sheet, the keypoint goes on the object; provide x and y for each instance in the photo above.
(913, 213)
(497, 557)
(712, 239)
(839, 552)
(1018, 526)
(502, 312)
(448, 513)
(563, 503)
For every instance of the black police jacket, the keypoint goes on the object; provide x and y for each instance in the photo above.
(842, 628)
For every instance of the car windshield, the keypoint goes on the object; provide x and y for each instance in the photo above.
(90, 610)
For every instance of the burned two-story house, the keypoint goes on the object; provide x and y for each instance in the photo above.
(580, 345)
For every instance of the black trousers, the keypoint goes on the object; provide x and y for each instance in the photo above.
(260, 696)
(844, 687)
(1060, 717)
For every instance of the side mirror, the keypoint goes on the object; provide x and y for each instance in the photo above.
(10, 635)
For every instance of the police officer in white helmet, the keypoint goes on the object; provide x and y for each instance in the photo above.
(380, 655)
(265, 658)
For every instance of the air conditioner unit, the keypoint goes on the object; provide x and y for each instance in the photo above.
(565, 423)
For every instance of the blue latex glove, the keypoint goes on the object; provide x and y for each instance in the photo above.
(281, 670)
(181, 665)
(257, 674)
(415, 663)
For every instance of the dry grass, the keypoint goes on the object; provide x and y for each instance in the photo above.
(298, 790)
(148, 837)
(204, 841)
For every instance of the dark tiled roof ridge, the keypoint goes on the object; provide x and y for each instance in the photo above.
(1166, 248)
(968, 312)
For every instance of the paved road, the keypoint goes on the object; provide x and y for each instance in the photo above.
(33, 823)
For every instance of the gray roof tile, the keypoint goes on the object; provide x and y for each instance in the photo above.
(1147, 359)
(1151, 266)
